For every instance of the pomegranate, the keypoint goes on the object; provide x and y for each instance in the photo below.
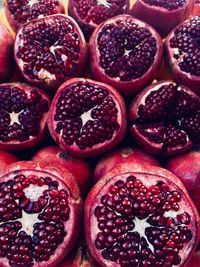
(87, 117)
(19, 12)
(6, 158)
(78, 167)
(195, 260)
(23, 115)
(162, 15)
(125, 53)
(182, 53)
(50, 50)
(196, 10)
(40, 215)
(187, 168)
(166, 118)
(89, 14)
(140, 216)
(6, 53)
(120, 156)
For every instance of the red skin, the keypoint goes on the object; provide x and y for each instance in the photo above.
(121, 156)
(78, 167)
(195, 260)
(187, 168)
(6, 158)
(196, 9)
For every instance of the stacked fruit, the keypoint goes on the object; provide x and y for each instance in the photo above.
(101, 109)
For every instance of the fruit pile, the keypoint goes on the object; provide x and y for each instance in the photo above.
(100, 133)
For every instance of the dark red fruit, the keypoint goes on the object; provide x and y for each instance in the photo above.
(136, 216)
(87, 117)
(162, 15)
(40, 215)
(166, 118)
(6, 158)
(125, 53)
(23, 115)
(89, 14)
(6, 53)
(78, 167)
(187, 168)
(19, 12)
(120, 156)
(183, 53)
(50, 50)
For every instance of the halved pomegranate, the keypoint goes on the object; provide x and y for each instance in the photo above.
(78, 167)
(6, 158)
(87, 117)
(6, 53)
(166, 118)
(183, 53)
(89, 14)
(125, 53)
(40, 215)
(23, 115)
(136, 216)
(50, 50)
(119, 156)
(196, 9)
(162, 15)
(19, 12)
(187, 168)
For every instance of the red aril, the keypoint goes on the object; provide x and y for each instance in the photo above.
(136, 216)
(183, 53)
(19, 12)
(162, 15)
(187, 168)
(87, 117)
(50, 50)
(6, 158)
(40, 215)
(89, 14)
(23, 115)
(119, 156)
(78, 167)
(165, 118)
(125, 53)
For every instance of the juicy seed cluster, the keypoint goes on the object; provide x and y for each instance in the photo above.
(86, 115)
(167, 4)
(186, 46)
(20, 114)
(170, 116)
(18, 243)
(137, 226)
(98, 11)
(126, 49)
(51, 51)
(23, 11)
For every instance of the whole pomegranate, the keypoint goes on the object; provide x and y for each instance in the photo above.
(89, 14)
(162, 15)
(40, 215)
(165, 118)
(6, 53)
(183, 53)
(87, 117)
(187, 168)
(78, 167)
(119, 156)
(140, 216)
(50, 50)
(6, 158)
(125, 53)
(23, 115)
(19, 12)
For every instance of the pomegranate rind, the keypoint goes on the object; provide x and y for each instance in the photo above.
(149, 146)
(130, 87)
(196, 10)
(51, 84)
(162, 19)
(67, 181)
(150, 174)
(180, 76)
(34, 140)
(98, 148)
(6, 158)
(15, 24)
